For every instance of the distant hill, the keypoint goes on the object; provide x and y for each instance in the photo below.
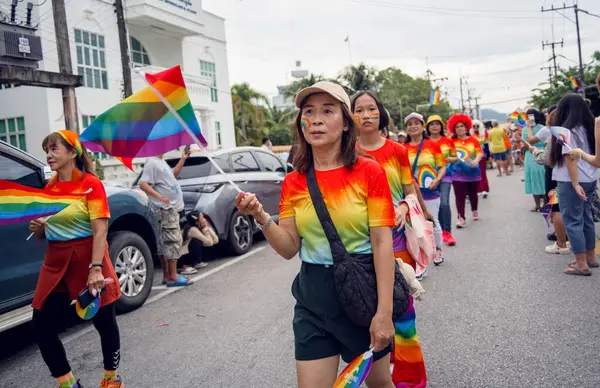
(491, 114)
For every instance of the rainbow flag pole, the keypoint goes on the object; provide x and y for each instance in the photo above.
(187, 128)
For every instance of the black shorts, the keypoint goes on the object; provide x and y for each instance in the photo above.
(321, 328)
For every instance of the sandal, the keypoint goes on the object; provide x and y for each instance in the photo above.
(189, 271)
(181, 281)
(572, 269)
(591, 265)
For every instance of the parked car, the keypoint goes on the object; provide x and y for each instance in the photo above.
(204, 189)
(132, 238)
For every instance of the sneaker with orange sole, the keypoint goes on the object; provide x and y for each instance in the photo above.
(112, 383)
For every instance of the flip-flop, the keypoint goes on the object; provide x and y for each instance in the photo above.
(181, 281)
(577, 271)
(593, 265)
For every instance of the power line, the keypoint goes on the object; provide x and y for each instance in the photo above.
(450, 12)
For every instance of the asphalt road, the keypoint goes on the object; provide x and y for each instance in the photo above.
(498, 313)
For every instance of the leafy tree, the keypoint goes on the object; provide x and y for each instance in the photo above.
(401, 94)
(249, 117)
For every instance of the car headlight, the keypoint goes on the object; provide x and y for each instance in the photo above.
(208, 188)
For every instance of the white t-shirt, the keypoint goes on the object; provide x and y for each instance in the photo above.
(543, 134)
(160, 176)
(587, 172)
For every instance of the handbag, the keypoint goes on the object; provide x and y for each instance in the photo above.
(354, 274)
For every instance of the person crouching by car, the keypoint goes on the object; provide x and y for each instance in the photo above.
(197, 234)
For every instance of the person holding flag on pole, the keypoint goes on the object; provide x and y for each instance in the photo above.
(76, 258)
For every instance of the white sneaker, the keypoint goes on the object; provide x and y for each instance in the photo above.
(420, 273)
(485, 194)
(554, 249)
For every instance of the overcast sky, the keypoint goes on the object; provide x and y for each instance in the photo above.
(497, 45)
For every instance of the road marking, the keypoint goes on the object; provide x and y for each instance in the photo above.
(229, 263)
(171, 290)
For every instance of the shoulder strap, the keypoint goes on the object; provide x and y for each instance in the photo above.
(414, 166)
(335, 242)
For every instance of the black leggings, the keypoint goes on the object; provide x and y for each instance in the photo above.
(50, 321)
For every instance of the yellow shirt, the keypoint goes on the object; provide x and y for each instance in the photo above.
(496, 139)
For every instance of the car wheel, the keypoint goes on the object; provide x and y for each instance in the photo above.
(133, 263)
(241, 234)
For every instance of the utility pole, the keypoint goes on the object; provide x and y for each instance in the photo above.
(553, 58)
(123, 42)
(469, 99)
(462, 101)
(64, 64)
(576, 9)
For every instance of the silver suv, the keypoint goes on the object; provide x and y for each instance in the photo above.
(204, 189)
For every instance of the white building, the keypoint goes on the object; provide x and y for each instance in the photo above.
(162, 34)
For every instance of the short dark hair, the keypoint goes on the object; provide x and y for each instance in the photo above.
(303, 155)
(265, 139)
(539, 117)
(384, 117)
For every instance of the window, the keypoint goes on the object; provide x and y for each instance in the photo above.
(207, 69)
(8, 86)
(86, 121)
(139, 55)
(12, 131)
(200, 167)
(270, 162)
(14, 171)
(91, 60)
(244, 162)
(218, 134)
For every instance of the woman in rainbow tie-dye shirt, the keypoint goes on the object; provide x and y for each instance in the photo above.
(429, 168)
(435, 127)
(358, 199)
(76, 258)
(466, 174)
(372, 118)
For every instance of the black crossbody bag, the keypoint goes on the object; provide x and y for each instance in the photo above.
(354, 274)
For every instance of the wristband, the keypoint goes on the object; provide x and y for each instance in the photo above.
(96, 265)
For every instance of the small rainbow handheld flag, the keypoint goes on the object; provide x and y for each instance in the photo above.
(518, 118)
(141, 125)
(355, 373)
(20, 203)
(573, 81)
(434, 98)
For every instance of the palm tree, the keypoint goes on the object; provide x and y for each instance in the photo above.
(279, 122)
(245, 108)
(299, 84)
(359, 77)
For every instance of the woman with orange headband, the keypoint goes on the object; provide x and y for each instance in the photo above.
(76, 259)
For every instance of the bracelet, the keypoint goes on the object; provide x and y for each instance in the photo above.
(266, 225)
(96, 265)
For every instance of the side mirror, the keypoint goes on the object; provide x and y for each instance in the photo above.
(290, 168)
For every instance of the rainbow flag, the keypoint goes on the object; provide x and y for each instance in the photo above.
(518, 118)
(355, 372)
(574, 83)
(20, 203)
(141, 125)
(434, 98)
